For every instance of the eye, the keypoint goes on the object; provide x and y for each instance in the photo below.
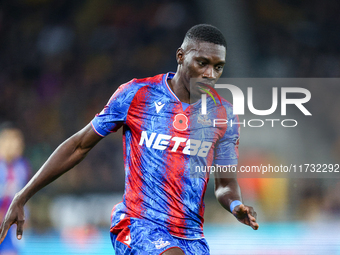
(219, 68)
(201, 63)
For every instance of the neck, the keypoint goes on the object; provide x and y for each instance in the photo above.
(177, 85)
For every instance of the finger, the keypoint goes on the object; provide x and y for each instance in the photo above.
(254, 225)
(240, 210)
(255, 215)
(20, 228)
(247, 221)
(252, 222)
(252, 212)
(251, 217)
(4, 230)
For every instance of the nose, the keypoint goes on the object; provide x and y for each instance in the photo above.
(209, 73)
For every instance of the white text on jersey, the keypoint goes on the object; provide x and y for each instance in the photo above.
(161, 142)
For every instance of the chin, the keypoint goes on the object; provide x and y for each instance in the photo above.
(196, 93)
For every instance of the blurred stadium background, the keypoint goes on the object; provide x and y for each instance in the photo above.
(61, 60)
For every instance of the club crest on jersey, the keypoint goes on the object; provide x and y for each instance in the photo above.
(180, 122)
(160, 243)
(203, 119)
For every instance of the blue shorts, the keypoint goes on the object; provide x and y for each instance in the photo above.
(142, 237)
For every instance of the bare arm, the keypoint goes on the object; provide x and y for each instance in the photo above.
(66, 156)
(227, 190)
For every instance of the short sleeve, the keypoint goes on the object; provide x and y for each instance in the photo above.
(114, 114)
(226, 152)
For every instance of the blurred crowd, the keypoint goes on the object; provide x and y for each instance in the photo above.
(300, 39)
(62, 60)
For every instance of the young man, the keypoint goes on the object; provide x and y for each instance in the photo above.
(162, 208)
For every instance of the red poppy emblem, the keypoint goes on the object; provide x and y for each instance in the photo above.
(180, 122)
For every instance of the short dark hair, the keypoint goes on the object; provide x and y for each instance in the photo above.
(206, 33)
(7, 125)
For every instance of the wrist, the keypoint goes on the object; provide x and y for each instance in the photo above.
(20, 198)
(234, 204)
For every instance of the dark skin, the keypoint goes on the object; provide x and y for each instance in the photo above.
(204, 62)
(196, 60)
(200, 61)
(226, 191)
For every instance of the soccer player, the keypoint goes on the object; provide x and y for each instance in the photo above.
(164, 139)
(14, 172)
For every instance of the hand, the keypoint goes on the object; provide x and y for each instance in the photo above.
(14, 215)
(246, 215)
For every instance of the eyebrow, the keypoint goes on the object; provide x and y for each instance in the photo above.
(219, 63)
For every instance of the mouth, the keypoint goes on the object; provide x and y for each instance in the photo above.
(204, 86)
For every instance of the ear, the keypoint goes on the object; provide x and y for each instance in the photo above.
(180, 56)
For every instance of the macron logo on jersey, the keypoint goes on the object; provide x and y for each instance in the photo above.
(159, 106)
(161, 142)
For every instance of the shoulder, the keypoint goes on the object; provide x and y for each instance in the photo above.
(155, 80)
(226, 103)
(129, 89)
(135, 84)
(229, 108)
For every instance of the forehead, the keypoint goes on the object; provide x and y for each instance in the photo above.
(207, 50)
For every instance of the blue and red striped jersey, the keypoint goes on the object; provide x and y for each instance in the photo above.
(164, 141)
(13, 176)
